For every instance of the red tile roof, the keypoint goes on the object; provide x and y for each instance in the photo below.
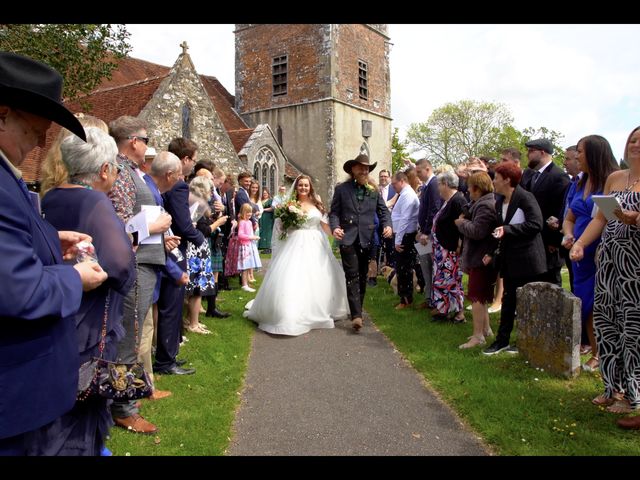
(224, 102)
(239, 137)
(128, 91)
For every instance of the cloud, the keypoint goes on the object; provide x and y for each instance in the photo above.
(576, 79)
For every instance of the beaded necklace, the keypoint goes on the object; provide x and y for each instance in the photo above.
(81, 183)
(630, 187)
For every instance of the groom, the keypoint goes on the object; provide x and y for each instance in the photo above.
(353, 209)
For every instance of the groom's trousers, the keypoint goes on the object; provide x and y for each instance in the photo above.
(355, 262)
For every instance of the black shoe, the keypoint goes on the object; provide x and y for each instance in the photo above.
(179, 363)
(495, 348)
(218, 314)
(176, 370)
(372, 282)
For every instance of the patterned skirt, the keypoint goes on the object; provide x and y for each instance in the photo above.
(248, 257)
(199, 269)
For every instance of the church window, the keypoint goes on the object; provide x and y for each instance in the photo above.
(186, 120)
(265, 176)
(272, 180)
(265, 169)
(279, 72)
(363, 80)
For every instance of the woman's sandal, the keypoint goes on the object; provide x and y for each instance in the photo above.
(603, 401)
(591, 365)
(199, 329)
(620, 406)
(473, 342)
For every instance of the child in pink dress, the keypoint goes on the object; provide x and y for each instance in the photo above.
(248, 256)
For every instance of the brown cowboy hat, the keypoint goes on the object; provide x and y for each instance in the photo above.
(34, 87)
(361, 159)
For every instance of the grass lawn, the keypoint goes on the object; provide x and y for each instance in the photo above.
(517, 409)
(197, 418)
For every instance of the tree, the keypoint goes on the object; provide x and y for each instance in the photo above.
(456, 131)
(399, 153)
(84, 54)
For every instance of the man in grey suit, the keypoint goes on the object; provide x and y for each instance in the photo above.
(353, 207)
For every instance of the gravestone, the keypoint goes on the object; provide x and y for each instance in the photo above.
(549, 328)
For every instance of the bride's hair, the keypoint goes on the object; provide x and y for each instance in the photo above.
(313, 196)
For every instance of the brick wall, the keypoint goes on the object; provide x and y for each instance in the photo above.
(307, 47)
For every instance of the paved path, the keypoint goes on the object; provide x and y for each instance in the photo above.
(333, 392)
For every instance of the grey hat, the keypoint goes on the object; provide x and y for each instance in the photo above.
(362, 159)
(540, 144)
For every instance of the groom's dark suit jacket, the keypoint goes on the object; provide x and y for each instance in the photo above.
(355, 217)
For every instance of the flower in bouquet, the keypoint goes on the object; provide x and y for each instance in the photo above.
(291, 215)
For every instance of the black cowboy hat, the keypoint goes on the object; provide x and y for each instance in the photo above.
(361, 159)
(34, 87)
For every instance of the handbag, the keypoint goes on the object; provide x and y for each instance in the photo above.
(117, 381)
(231, 257)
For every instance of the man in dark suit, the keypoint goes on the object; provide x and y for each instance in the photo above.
(548, 184)
(227, 190)
(176, 203)
(353, 207)
(40, 295)
(387, 192)
(430, 203)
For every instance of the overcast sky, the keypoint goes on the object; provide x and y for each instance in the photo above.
(575, 79)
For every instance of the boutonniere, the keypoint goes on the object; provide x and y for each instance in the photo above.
(369, 188)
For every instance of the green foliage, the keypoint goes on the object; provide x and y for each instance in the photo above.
(84, 54)
(457, 131)
(399, 152)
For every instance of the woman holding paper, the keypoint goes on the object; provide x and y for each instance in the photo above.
(616, 308)
(597, 162)
(522, 257)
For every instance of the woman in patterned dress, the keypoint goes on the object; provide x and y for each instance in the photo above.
(616, 309)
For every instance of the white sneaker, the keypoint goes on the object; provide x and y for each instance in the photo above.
(469, 307)
(247, 288)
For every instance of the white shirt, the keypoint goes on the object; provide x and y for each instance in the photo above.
(384, 192)
(404, 215)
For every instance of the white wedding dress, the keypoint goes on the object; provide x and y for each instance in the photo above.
(304, 287)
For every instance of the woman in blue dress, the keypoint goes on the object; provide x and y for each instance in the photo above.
(596, 161)
(82, 205)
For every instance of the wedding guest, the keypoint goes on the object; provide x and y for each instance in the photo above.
(81, 204)
(40, 295)
(476, 227)
(617, 290)
(596, 162)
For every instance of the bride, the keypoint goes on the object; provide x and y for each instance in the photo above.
(304, 286)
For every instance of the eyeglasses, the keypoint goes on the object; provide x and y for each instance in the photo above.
(117, 165)
(144, 139)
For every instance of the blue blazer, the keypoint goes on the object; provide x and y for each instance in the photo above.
(176, 203)
(38, 300)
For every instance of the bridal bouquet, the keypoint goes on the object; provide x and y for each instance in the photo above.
(291, 215)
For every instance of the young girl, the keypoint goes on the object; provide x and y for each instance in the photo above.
(248, 257)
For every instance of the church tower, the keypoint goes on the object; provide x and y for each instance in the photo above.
(324, 89)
